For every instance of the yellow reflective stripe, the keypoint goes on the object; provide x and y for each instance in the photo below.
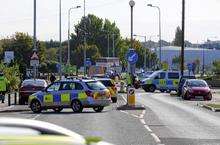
(175, 82)
(162, 82)
(149, 82)
(32, 97)
(48, 98)
(82, 96)
(65, 97)
(96, 95)
(112, 92)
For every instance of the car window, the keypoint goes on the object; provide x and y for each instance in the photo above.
(78, 86)
(41, 83)
(54, 87)
(18, 131)
(197, 84)
(172, 75)
(162, 75)
(95, 85)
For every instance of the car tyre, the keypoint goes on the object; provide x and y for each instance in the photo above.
(58, 109)
(186, 96)
(208, 97)
(146, 89)
(168, 91)
(152, 88)
(162, 91)
(114, 99)
(36, 106)
(77, 106)
(98, 109)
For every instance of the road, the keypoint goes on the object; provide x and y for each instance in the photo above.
(167, 120)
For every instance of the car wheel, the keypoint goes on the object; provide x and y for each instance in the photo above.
(77, 106)
(186, 96)
(58, 109)
(146, 89)
(36, 106)
(114, 99)
(152, 88)
(208, 97)
(98, 109)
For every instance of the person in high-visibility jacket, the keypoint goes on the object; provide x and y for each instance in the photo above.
(129, 79)
(3, 86)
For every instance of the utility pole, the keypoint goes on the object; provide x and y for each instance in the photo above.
(35, 25)
(183, 37)
(84, 52)
(113, 44)
(60, 31)
(108, 46)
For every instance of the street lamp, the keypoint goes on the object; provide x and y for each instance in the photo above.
(160, 43)
(35, 37)
(84, 51)
(68, 59)
(60, 37)
(132, 4)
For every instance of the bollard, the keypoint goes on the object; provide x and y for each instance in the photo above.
(9, 99)
(15, 98)
(131, 97)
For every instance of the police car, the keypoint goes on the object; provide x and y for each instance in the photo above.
(161, 80)
(74, 93)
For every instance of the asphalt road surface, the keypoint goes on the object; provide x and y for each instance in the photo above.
(167, 120)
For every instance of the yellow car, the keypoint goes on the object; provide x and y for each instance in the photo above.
(15, 131)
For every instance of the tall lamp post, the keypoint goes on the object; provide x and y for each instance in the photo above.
(35, 37)
(183, 38)
(60, 37)
(69, 12)
(160, 42)
(84, 51)
(130, 67)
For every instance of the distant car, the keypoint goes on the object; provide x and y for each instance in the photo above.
(196, 88)
(15, 131)
(111, 86)
(181, 83)
(76, 94)
(30, 86)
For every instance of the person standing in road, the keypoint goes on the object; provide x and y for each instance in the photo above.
(3, 87)
(52, 78)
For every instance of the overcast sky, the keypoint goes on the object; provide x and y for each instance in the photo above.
(202, 17)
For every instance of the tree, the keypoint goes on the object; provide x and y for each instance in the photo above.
(178, 37)
(176, 62)
(197, 63)
(96, 31)
(216, 67)
(92, 53)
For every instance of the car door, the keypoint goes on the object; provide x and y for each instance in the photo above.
(173, 80)
(162, 80)
(52, 94)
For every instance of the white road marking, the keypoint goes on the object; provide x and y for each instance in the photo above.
(156, 138)
(135, 116)
(124, 112)
(148, 128)
(36, 117)
(143, 121)
(141, 116)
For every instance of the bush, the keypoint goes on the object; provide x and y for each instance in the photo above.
(12, 74)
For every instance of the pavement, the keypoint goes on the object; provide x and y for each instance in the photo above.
(167, 120)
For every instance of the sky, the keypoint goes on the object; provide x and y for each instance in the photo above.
(202, 17)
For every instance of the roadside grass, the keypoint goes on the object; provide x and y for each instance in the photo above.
(216, 106)
(90, 140)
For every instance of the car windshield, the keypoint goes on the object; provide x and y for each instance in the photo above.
(95, 85)
(197, 84)
(107, 83)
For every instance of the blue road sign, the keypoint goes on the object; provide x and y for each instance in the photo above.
(88, 63)
(132, 56)
(58, 66)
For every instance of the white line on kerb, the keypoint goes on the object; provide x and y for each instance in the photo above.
(36, 117)
(148, 128)
(124, 112)
(156, 138)
(135, 116)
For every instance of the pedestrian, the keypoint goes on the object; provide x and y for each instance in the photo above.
(52, 78)
(3, 86)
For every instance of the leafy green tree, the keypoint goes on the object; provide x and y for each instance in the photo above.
(176, 62)
(178, 37)
(216, 67)
(92, 53)
(97, 31)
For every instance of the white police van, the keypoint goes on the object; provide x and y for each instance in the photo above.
(165, 81)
